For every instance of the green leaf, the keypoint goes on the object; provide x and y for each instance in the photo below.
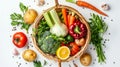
(23, 8)
(14, 23)
(16, 16)
(17, 19)
(25, 26)
(37, 64)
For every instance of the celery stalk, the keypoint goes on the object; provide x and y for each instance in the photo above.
(48, 19)
(54, 16)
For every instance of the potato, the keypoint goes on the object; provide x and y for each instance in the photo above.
(29, 55)
(86, 59)
(30, 16)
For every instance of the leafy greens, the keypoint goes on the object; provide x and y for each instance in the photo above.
(98, 28)
(17, 19)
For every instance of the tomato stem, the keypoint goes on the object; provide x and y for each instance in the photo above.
(17, 40)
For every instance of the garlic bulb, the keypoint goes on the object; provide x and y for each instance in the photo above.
(40, 2)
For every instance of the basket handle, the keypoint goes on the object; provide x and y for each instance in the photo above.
(59, 63)
(56, 3)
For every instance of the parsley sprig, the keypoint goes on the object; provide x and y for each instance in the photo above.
(17, 19)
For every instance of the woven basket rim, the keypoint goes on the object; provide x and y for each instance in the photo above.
(54, 57)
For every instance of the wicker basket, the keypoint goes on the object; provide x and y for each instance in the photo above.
(57, 6)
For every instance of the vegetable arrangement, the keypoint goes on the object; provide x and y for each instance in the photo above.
(57, 32)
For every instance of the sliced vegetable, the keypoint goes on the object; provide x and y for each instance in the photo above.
(87, 5)
(74, 48)
(64, 13)
(98, 28)
(63, 52)
(78, 30)
(57, 27)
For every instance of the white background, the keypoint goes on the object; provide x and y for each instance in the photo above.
(112, 49)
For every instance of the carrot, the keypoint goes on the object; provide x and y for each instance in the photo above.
(64, 13)
(90, 6)
(68, 17)
(72, 19)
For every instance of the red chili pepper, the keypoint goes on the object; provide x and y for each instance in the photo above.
(78, 30)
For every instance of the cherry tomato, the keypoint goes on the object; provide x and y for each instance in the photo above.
(74, 48)
(19, 39)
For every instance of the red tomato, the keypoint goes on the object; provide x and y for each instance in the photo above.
(74, 48)
(19, 39)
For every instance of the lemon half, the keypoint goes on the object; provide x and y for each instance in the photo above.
(63, 52)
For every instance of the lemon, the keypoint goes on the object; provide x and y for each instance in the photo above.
(63, 52)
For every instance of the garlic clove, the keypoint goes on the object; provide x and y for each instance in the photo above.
(40, 2)
(105, 7)
(15, 52)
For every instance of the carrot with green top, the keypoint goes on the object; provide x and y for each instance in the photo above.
(87, 5)
(64, 13)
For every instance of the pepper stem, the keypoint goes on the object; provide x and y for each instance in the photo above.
(77, 29)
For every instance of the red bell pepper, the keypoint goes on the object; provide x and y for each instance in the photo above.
(78, 30)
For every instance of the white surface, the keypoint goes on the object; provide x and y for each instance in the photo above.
(6, 46)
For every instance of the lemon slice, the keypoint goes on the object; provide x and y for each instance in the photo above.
(63, 52)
